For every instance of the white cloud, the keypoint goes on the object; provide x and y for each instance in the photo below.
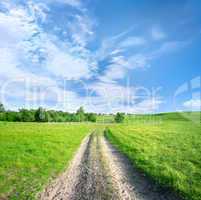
(193, 104)
(168, 47)
(14, 27)
(116, 51)
(8, 63)
(118, 44)
(81, 30)
(138, 61)
(21, 42)
(38, 11)
(121, 65)
(62, 63)
(16, 30)
(130, 62)
(132, 41)
(74, 3)
(157, 33)
(20, 45)
(114, 72)
(6, 4)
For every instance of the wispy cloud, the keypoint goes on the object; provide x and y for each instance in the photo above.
(157, 33)
(63, 64)
(30, 53)
(21, 33)
(168, 47)
(132, 41)
(74, 3)
(193, 104)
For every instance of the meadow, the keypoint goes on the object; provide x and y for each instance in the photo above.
(31, 153)
(167, 149)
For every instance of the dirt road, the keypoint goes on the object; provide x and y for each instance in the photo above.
(99, 172)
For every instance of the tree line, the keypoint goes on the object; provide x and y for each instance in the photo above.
(42, 115)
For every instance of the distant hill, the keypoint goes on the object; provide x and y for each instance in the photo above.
(178, 116)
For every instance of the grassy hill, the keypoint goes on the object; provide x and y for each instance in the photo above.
(132, 118)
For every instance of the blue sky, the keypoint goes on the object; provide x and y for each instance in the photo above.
(108, 56)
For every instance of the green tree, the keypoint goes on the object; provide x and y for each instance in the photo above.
(41, 115)
(119, 117)
(2, 109)
(27, 115)
(80, 114)
(2, 116)
(12, 116)
(91, 117)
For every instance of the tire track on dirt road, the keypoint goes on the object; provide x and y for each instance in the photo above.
(100, 172)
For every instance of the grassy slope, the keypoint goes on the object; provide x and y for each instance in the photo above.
(181, 116)
(105, 119)
(169, 151)
(31, 153)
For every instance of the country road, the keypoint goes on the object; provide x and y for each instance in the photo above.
(100, 172)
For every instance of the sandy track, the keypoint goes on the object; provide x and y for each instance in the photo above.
(99, 172)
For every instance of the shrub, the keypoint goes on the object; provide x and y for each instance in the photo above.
(119, 117)
(91, 117)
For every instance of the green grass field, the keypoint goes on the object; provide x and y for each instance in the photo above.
(133, 118)
(167, 147)
(105, 119)
(181, 116)
(168, 151)
(31, 153)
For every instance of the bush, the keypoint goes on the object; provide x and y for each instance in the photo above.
(91, 117)
(119, 117)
